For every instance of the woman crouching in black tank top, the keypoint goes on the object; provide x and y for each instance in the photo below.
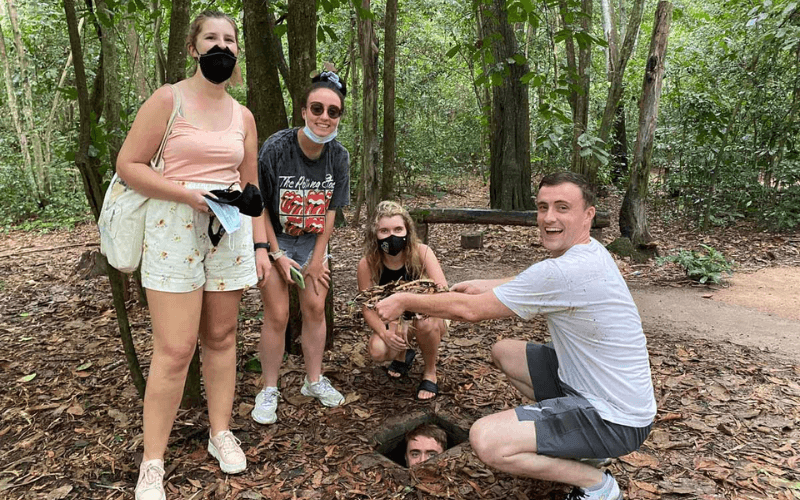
(392, 251)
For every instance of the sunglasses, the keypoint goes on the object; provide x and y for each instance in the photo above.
(317, 108)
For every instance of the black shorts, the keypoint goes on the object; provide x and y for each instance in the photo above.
(567, 425)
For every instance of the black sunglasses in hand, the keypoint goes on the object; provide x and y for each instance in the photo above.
(317, 108)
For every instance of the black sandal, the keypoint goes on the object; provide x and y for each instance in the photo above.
(427, 385)
(401, 367)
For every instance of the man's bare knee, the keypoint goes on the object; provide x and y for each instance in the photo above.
(480, 438)
(502, 350)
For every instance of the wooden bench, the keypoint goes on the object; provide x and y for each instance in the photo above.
(425, 216)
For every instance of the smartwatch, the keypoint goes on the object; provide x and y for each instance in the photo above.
(265, 246)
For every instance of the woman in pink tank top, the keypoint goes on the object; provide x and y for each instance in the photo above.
(193, 287)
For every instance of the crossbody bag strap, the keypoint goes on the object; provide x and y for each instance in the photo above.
(176, 105)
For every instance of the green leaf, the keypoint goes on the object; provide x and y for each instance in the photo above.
(27, 378)
(253, 365)
(84, 366)
(583, 39)
(453, 51)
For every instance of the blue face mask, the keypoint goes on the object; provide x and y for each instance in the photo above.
(320, 140)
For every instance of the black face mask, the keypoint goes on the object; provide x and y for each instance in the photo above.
(249, 201)
(217, 64)
(393, 244)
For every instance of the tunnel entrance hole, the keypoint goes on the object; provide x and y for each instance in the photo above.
(390, 444)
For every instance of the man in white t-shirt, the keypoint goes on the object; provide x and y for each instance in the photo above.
(592, 384)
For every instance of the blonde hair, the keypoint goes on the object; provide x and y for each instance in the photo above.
(374, 255)
(194, 32)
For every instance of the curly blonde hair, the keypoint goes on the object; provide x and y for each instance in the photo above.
(374, 255)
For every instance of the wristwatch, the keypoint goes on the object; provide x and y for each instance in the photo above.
(277, 254)
(265, 246)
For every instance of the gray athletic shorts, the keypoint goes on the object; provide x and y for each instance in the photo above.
(298, 248)
(567, 425)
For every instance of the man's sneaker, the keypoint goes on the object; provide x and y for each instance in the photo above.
(150, 485)
(596, 462)
(609, 491)
(266, 406)
(322, 390)
(225, 448)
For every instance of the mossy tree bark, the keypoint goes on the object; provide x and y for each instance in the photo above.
(264, 94)
(369, 120)
(389, 130)
(633, 213)
(176, 45)
(301, 31)
(510, 166)
(579, 65)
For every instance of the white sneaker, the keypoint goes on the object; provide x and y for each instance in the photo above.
(150, 485)
(597, 463)
(610, 491)
(266, 406)
(225, 448)
(322, 390)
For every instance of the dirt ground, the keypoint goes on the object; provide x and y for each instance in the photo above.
(760, 310)
(725, 362)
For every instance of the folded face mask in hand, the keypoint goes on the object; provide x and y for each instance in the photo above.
(228, 216)
(248, 202)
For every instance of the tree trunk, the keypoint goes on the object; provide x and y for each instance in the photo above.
(176, 45)
(633, 213)
(369, 106)
(619, 146)
(48, 129)
(92, 181)
(389, 72)
(111, 87)
(34, 142)
(578, 79)
(264, 94)
(22, 134)
(618, 61)
(136, 61)
(301, 33)
(160, 59)
(355, 121)
(510, 184)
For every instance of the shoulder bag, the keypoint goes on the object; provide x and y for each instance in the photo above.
(121, 221)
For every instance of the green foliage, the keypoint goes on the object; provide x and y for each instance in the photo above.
(701, 267)
(66, 206)
(731, 113)
(728, 125)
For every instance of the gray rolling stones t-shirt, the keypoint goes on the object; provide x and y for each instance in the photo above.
(299, 191)
(596, 330)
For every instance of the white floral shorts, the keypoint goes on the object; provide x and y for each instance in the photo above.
(179, 257)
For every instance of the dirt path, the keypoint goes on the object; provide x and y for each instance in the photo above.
(743, 314)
